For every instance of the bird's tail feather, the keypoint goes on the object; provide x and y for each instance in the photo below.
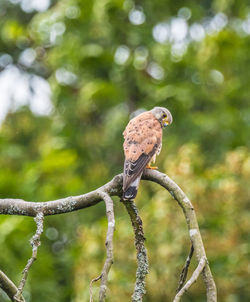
(131, 191)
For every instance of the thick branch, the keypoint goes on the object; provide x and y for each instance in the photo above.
(193, 279)
(35, 242)
(142, 260)
(194, 233)
(65, 205)
(109, 245)
(8, 287)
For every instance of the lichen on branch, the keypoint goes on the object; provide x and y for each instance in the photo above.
(142, 260)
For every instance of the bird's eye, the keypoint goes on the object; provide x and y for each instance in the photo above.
(164, 115)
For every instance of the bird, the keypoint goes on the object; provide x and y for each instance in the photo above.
(142, 143)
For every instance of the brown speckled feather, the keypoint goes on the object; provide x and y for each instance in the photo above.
(142, 140)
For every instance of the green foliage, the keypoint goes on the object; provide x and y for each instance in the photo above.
(101, 67)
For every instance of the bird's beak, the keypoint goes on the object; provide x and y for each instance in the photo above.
(165, 122)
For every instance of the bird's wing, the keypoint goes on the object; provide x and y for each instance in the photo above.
(133, 170)
(143, 136)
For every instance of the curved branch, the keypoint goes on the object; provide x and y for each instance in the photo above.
(194, 232)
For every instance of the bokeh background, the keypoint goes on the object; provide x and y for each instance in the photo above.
(71, 74)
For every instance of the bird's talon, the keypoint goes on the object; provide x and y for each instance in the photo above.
(152, 168)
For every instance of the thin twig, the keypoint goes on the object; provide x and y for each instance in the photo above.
(184, 271)
(193, 279)
(8, 287)
(90, 287)
(109, 245)
(35, 242)
(142, 261)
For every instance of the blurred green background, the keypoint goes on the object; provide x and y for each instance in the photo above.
(71, 74)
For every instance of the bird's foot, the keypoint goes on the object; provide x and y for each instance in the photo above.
(150, 167)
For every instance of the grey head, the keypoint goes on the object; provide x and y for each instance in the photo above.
(163, 115)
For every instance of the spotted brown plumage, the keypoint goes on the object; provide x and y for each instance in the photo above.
(142, 142)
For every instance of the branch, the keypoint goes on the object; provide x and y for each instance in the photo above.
(90, 288)
(142, 260)
(35, 242)
(65, 205)
(109, 245)
(114, 188)
(184, 271)
(109, 248)
(194, 232)
(193, 279)
(8, 287)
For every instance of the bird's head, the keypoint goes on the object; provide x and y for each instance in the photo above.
(163, 115)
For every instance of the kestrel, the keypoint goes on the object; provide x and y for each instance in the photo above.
(142, 143)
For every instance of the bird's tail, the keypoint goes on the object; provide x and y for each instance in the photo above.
(131, 192)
